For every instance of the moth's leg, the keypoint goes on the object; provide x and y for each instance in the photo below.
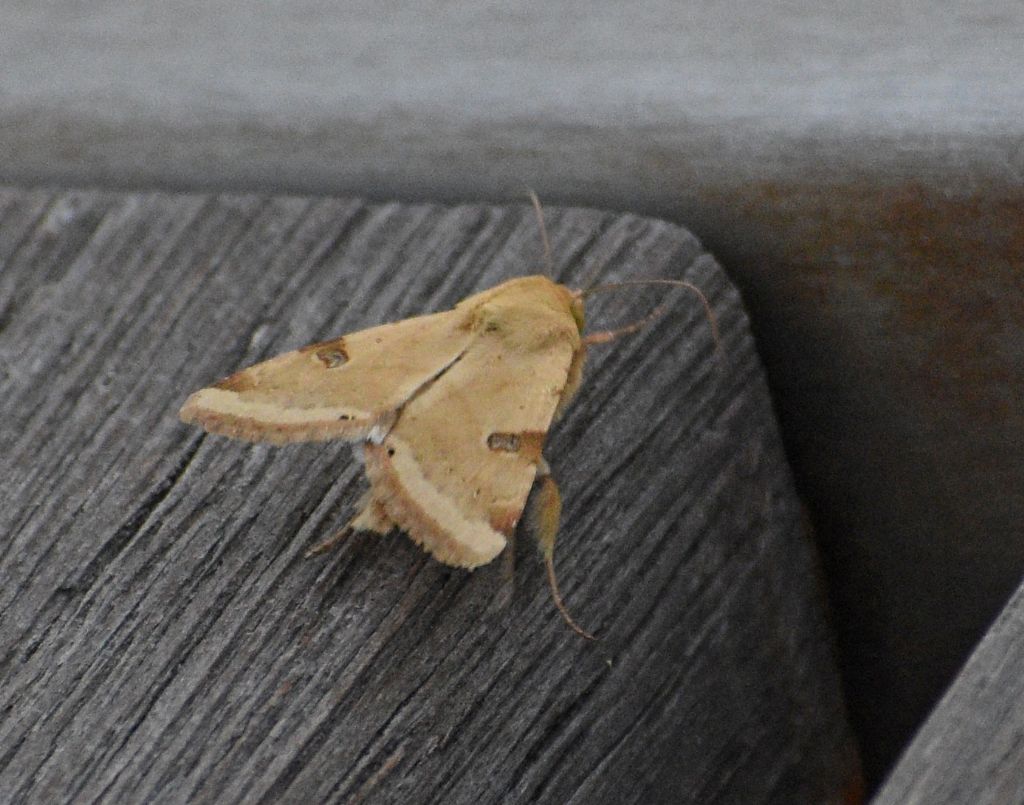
(331, 542)
(371, 517)
(545, 514)
(572, 384)
(503, 600)
(604, 336)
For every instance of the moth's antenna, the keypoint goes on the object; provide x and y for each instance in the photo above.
(543, 233)
(605, 336)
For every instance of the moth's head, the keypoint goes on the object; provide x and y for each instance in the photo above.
(572, 300)
(529, 311)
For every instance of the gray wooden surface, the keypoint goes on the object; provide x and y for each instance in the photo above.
(164, 640)
(633, 102)
(971, 749)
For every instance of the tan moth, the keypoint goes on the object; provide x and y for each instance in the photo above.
(451, 410)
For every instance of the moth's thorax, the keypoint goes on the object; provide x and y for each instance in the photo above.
(527, 312)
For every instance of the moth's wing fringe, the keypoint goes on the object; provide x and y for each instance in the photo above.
(410, 514)
(235, 426)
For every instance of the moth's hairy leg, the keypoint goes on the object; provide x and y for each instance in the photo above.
(545, 515)
(371, 517)
(330, 543)
(604, 336)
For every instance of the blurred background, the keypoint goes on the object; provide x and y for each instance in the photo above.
(859, 170)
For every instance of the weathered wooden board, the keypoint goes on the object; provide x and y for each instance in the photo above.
(971, 749)
(163, 638)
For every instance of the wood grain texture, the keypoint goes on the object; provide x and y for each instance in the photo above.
(164, 640)
(971, 749)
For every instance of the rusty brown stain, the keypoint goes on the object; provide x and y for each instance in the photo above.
(946, 270)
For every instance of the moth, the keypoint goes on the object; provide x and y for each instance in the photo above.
(451, 411)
